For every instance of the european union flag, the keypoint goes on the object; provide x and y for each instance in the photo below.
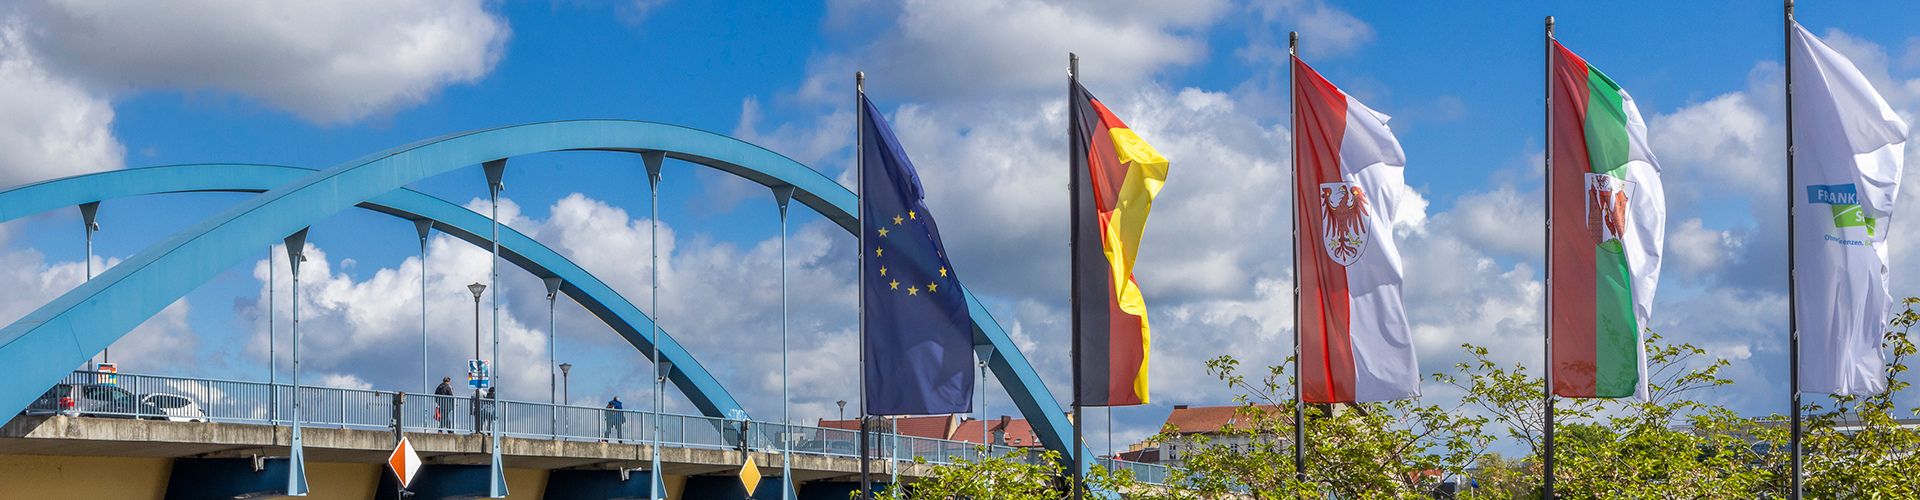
(919, 337)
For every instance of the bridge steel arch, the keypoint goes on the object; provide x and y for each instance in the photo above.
(42, 346)
(692, 378)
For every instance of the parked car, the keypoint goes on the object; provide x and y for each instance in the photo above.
(173, 407)
(100, 400)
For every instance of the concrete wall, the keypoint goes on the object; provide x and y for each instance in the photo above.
(24, 477)
(133, 478)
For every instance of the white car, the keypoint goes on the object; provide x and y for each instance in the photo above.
(173, 407)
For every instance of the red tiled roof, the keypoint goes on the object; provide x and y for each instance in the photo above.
(1210, 419)
(931, 427)
(1019, 432)
(1145, 456)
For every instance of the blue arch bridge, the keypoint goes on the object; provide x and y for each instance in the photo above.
(269, 439)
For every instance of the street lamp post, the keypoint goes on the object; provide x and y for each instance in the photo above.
(843, 408)
(565, 395)
(477, 288)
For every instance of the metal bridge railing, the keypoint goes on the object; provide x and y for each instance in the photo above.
(228, 401)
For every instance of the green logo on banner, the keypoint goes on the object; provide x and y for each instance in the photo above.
(1852, 216)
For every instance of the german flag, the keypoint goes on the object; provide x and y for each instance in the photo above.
(1115, 176)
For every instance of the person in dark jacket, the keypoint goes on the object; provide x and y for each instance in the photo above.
(615, 420)
(443, 404)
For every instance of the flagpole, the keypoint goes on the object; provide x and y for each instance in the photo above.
(1547, 325)
(1299, 383)
(860, 184)
(1073, 296)
(1793, 285)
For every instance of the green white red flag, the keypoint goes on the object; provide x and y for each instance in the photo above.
(1608, 224)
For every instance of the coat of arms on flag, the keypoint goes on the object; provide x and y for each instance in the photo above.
(1607, 201)
(1344, 217)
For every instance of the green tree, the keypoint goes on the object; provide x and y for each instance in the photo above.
(1673, 444)
(1016, 475)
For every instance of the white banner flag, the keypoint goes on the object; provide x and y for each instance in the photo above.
(1848, 152)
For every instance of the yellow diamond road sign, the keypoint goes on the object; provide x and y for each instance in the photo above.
(750, 475)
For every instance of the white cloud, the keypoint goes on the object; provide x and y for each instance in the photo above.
(937, 50)
(328, 62)
(164, 343)
(49, 126)
(1324, 29)
(343, 381)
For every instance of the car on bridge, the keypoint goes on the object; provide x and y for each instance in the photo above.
(173, 407)
(101, 400)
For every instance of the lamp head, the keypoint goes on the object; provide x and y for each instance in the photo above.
(477, 288)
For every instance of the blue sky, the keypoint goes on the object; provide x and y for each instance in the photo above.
(975, 93)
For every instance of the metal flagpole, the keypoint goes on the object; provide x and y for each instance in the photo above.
(860, 184)
(653, 162)
(494, 170)
(1793, 284)
(782, 195)
(1073, 242)
(1547, 323)
(1299, 381)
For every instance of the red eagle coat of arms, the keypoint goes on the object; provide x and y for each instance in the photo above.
(1344, 220)
(1607, 200)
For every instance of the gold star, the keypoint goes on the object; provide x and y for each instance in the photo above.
(933, 287)
(895, 285)
(883, 232)
(883, 270)
(877, 251)
(912, 215)
(897, 220)
(913, 290)
(943, 272)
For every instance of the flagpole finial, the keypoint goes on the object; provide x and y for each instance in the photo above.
(1549, 26)
(1073, 65)
(860, 81)
(1293, 43)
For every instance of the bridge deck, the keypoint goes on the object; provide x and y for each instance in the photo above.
(92, 436)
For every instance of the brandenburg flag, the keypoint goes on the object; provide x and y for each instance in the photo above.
(1848, 155)
(1115, 176)
(1349, 180)
(1608, 225)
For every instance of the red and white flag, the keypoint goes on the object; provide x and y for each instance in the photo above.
(1348, 185)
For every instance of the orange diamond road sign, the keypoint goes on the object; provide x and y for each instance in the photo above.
(750, 476)
(404, 461)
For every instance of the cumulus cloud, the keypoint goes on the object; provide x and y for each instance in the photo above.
(328, 62)
(164, 343)
(49, 125)
(941, 50)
